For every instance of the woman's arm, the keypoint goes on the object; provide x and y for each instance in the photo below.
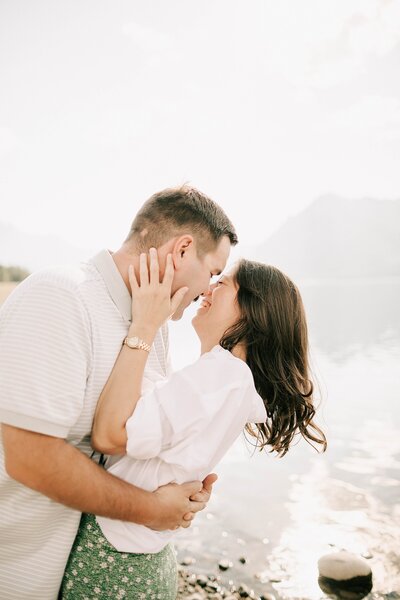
(151, 306)
(120, 395)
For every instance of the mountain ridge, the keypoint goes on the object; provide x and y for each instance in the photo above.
(336, 237)
(332, 238)
(34, 251)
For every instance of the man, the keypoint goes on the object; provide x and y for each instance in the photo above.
(60, 333)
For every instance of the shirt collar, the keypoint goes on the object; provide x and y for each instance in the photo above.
(104, 263)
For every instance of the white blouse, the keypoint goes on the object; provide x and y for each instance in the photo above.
(180, 429)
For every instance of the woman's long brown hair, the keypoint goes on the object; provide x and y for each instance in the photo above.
(273, 329)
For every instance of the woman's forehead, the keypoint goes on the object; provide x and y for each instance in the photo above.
(230, 272)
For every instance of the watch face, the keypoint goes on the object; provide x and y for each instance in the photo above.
(132, 342)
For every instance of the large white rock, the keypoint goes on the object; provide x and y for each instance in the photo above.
(342, 566)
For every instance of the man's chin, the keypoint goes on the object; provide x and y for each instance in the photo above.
(176, 317)
(178, 314)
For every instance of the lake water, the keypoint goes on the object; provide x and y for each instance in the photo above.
(283, 514)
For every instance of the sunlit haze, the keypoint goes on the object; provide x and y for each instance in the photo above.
(263, 105)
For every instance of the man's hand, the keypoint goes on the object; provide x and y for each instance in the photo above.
(205, 493)
(203, 496)
(173, 504)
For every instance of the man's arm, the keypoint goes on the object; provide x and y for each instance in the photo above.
(56, 469)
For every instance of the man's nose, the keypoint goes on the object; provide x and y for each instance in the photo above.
(208, 292)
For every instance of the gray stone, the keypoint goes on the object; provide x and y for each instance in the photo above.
(188, 560)
(202, 580)
(244, 591)
(213, 586)
(341, 566)
(225, 564)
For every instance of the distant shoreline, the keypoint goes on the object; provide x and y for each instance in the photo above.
(6, 287)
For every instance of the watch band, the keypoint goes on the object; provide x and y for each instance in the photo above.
(136, 343)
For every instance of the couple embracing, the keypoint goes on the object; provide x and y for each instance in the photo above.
(84, 366)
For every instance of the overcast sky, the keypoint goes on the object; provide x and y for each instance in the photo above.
(263, 105)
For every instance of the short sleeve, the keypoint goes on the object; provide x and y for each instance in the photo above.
(45, 351)
(177, 413)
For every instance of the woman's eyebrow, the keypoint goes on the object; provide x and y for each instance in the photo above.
(225, 277)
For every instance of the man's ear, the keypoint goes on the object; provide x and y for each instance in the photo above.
(182, 245)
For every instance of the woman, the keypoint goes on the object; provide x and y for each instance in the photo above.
(252, 374)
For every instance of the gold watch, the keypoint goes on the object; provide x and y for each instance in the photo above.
(136, 342)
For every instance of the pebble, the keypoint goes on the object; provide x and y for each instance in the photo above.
(245, 592)
(202, 580)
(212, 586)
(225, 564)
(243, 560)
(202, 586)
(342, 566)
(188, 560)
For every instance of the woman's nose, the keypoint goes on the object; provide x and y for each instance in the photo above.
(208, 292)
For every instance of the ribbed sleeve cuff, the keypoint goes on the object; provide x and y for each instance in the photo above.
(9, 417)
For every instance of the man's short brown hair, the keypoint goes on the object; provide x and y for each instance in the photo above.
(174, 211)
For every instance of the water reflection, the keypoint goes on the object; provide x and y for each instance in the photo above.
(349, 500)
(327, 514)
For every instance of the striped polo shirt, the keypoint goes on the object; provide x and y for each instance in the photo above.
(60, 333)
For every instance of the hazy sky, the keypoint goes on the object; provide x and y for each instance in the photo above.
(263, 105)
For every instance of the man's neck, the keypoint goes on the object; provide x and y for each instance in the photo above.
(122, 260)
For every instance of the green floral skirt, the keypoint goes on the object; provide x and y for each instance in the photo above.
(96, 570)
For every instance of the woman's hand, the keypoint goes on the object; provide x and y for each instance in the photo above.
(152, 304)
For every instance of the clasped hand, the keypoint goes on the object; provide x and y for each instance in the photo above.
(152, 303)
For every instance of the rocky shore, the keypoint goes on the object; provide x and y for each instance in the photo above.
(194, 586)
(342, 574)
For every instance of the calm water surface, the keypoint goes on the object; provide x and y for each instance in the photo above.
(283, 514)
